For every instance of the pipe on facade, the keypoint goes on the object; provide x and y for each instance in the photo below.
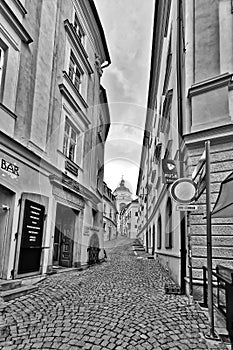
(179, 52)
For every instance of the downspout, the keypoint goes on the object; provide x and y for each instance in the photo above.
(147, 194)
(180, 138)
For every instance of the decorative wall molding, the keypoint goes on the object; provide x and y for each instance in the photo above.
(20, 7)
(14, 22)
(210, 84)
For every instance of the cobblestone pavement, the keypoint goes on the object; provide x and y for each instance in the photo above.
(119, 304)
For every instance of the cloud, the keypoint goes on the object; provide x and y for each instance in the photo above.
(128, 29)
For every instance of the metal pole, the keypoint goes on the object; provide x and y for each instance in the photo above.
(190, 258)
(204, 287)
(209, 241)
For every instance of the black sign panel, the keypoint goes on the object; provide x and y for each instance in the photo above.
(33, 222)
(169, 171)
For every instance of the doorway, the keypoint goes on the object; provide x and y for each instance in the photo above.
(6, 201)
(31, 237)
(64, 236)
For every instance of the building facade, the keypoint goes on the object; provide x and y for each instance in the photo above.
(189, 102)
(109, 214)
(129, 220)
(159, 226)
(123, 197)
(208, 110)
(54, 123)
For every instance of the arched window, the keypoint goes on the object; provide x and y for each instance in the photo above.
(168, 232)
(159, 233)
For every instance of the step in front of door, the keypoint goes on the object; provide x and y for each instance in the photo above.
(7, 285)
(11, 294)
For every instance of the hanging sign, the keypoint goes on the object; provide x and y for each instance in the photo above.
(183, 190)
(169, 171)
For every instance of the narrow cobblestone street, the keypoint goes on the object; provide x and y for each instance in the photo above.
(119, 304)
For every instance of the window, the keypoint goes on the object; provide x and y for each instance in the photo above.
(95, 217)
(100, 129)
(168, 233)
(2, 66)
(75, 72)
(167, 18)
(168, 67)
(78, 29)
(70, 141)
(165, 123)
(136, 213)
(159, 233)
(99, 178)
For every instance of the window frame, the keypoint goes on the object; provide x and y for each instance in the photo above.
(4, 49)
(78, 28)
(75, 72)
(68, 137)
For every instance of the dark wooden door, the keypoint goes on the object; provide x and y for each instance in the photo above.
(64, 236)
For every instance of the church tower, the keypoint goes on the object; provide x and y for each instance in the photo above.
(123, 197)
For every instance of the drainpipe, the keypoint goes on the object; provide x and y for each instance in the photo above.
(147, 194)
(179, 52)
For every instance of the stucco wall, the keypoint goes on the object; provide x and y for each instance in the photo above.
(207, 59)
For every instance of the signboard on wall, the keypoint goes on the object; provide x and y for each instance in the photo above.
(33, 221)
(10, 168)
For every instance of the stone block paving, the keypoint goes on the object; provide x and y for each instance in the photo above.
(119, 304)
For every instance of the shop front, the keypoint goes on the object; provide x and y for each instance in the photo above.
(25, 193)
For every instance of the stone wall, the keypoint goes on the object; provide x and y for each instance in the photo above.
(221, 157)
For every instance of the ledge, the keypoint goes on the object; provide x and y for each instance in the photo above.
(20, 7)
(210, 84)
(216, 135)
(73, 87)
(14, 22)
(65, 92)
(7, 110)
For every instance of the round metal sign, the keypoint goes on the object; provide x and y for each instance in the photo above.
(183, 190)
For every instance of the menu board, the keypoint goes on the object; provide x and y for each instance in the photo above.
(33, 222)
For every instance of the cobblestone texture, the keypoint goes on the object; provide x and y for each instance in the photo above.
(119, 304)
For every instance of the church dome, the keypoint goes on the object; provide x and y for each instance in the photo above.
(122, 187)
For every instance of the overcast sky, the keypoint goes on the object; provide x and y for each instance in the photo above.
(128, 29)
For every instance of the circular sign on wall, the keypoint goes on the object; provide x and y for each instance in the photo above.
(183, 190)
